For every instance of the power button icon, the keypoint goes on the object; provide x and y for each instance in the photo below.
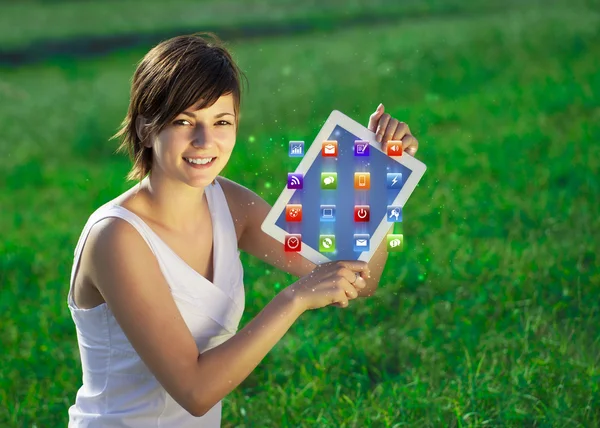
(362, 213)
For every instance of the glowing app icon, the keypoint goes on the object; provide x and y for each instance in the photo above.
(296, 149)
(329, 149)
(293, 212)
(395, 243)
(327, 243)
(295, 180)
(394, 214)
(361, 148)
(327, 212)
(329, 180)
(362, 242)
(394, 180)
(362, 213)
(394, 148)
(293, 243)
(362, 180)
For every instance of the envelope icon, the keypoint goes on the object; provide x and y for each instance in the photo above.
(361, 242)
(329, 148)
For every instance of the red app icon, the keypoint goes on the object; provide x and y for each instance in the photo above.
(362, 213)
(293, 243)
(394, 148)
(329, 149)
(293, 212)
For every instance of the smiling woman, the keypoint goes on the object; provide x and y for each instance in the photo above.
(156, 289)
(179, 73)
(194, 147)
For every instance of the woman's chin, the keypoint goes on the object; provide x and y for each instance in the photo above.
(200, 182)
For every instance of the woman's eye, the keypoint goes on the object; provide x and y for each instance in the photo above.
(183, 122)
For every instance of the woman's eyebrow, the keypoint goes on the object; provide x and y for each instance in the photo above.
(192, 115)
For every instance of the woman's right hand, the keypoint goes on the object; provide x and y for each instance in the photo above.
(329, 283)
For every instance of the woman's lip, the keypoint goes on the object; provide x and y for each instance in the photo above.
(199, 157)
(196, 164)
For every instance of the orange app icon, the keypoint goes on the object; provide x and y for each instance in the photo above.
(362, 180)
(329, 149)
(394, 148)
(293, 212)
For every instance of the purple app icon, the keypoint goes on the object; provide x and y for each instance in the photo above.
(361, 148)
(295, 180)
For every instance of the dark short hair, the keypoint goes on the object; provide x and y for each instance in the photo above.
(174, 75)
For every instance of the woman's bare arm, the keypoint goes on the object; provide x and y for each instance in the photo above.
(250, 210)
(123, 268)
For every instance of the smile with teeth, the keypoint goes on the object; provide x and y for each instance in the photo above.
(199, 161)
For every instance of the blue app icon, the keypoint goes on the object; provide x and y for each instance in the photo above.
(362, 242)
(327, 212)
(296, 149)
(394, 180)
(394, 214)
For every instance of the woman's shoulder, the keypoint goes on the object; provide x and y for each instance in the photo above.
(122, 200)
(234, 192)
(110, 221)
(239, 201)
(248, 209)
(236, 195)
(108, 237)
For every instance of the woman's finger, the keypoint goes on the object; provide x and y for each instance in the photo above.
(343, 295)
(401, 131)
(351, 289)
(410, 144)
(360, 282)
(388, 133)
(345, 281)
(382, 126)
(340, 304)
(356, 266)
(350, 292)
(374, 118)
(347, 274)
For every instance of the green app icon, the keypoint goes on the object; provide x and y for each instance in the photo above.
(329, 180)
(395, 242)
(327, 243)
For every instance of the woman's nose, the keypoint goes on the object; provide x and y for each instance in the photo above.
(202, 138)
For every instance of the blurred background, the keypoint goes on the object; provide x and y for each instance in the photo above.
(490, 316)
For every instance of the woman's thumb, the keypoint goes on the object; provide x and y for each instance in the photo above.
(374, 119)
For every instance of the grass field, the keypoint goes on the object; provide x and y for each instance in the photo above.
(72, 19)
(491, 315)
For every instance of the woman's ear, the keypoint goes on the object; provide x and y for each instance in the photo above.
(142, 132)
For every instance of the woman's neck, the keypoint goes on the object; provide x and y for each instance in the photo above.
(173, 205)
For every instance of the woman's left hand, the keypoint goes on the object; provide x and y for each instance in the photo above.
(387, 128)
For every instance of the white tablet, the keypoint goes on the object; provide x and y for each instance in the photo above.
(341, 201)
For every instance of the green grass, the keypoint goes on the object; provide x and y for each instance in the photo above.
(490, 316)
(71, 19)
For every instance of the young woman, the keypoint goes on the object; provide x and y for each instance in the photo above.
(156, 290)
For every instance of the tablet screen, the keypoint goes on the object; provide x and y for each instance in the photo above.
(340, 212)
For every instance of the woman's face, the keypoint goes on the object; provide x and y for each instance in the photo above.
(183, 148)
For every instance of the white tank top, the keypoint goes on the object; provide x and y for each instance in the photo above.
(118, 389)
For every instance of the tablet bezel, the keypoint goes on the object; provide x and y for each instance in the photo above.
(336, 118)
